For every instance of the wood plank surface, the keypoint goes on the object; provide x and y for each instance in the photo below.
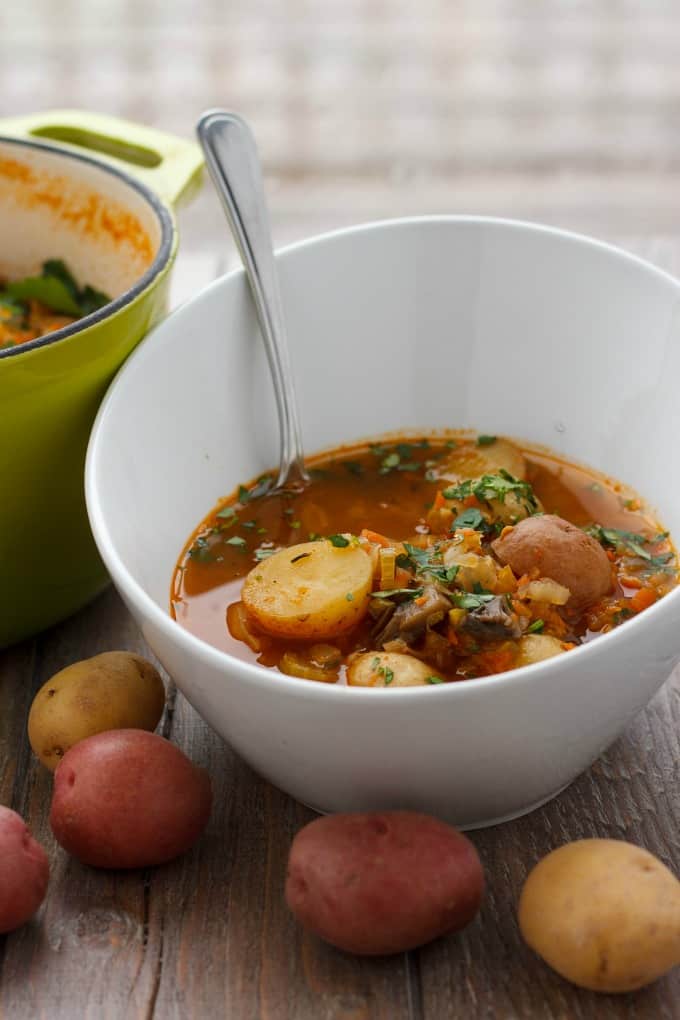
(564, 112)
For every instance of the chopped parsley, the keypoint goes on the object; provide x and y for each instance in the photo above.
(497, 486)
(471, 600)
(470, 518)
(263, 554)
(407, 593)
(427, 562)
(536, 627)
(486, 440)
(227, 513)
(631, 541)
(434, 680)
(339, 541)
(237, 541)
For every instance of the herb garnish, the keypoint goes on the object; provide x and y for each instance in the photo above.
(470, 518)
(227, 513)
(630, 540)
(236, 540)
(486, 440)
(263, 554)
(536, 627)
(471, 600)
(427, 562)
(339, 541)
(434, 680)
(494, 487)
(408, 593)
(383, 671)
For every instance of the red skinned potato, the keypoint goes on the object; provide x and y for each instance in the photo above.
(128, 799)
(383, 883)
(561, 551)
(24, 871)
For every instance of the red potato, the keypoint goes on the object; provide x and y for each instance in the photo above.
(24, 871)
(561, 551)
(383, 883)
(128, 799)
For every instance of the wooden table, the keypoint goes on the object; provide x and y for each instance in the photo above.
(364, 108)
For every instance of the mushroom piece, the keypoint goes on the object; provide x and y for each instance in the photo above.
(410, 619)
(493, 619)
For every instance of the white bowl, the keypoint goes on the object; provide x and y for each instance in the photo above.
(415, 324)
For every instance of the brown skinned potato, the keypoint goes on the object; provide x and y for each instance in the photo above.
(111, 691)
(604, 914)
(561, 551)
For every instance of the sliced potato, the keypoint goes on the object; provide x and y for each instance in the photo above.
(389, 669)
(471, 462)
(309, 591)
(536, 647)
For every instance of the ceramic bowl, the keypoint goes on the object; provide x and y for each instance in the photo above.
(98, 193)
(504, 327)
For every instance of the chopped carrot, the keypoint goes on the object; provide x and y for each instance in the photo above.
(631, 582)
(568, 645)
(643, 599)
(374, 536)
(439, 501)
(401, 577)
(471, 500)
(421, 600)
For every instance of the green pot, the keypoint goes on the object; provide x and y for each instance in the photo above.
(99, 193)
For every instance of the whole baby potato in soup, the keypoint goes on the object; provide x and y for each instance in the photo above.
(604, 914)
(128, 799)
(24, 871)
(382, 883)
(559, 550)
(114, 690)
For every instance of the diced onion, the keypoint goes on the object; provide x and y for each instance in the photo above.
(545, 590)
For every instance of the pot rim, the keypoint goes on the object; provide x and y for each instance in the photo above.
(160, 261)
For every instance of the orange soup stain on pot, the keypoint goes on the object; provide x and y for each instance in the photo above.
(90, 211)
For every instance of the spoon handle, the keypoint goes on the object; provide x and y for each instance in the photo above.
(234, 165)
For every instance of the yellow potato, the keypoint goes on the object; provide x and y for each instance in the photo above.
(389, 669)
(604, 914)
(536, 647)
(471, 462)
(111, 691)
(309, 591)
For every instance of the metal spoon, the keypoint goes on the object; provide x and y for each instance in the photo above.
(234, 165)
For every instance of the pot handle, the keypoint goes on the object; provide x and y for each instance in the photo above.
(170, 166)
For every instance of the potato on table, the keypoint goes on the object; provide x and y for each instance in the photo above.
(24, 871)
(128, 799)
(604, 914)
(382, 883)
(311, 591)
(114, 690)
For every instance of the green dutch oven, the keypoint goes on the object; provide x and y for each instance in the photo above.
(98, 193)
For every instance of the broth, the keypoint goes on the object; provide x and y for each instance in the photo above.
(395, 490)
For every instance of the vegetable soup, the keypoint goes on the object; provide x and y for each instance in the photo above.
(421, 561)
